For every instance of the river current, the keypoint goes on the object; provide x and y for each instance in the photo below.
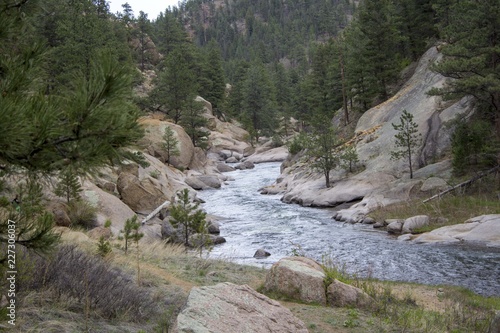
(251, 221)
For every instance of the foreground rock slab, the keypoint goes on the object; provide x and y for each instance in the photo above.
(230, 308)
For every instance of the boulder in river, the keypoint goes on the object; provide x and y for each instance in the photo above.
(394, 226)
(414, 222)
(261, 253)
(245, 165)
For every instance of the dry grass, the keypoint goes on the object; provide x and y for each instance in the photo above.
(447, 210)
(478, 198)
(168, 273)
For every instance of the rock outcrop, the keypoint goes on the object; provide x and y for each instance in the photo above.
(303, 279)
(482, 230)
(152, 142)
(110, 207)
(383, 181)
(230, 308)
(298, 278)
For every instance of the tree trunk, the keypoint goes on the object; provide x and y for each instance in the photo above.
(344, 96)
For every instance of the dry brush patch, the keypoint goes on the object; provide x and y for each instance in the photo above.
(75, 288)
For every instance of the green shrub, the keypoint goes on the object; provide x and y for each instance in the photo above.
(103, 247)
(108, 223)
(4, 202)
(83, 214)
(473, 146)
(297, 144)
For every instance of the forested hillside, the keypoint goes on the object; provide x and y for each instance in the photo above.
(311, 59)
(67, 70)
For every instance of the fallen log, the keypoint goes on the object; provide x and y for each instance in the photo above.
(470, 181)
(154, 212)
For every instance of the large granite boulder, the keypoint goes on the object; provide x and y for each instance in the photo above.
(299, 278)
(109, 206)
(153, 142)
(229, 308)
(140, 196)
(278, 154)
(59, 210)
(223, 167)
(203, 182)
(344, 295)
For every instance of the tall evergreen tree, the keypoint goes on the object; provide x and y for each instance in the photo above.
(170, 143)
(194, 123)
(168, 33)
(472, 56)
(176, 84)
(143, 31)
(321, 147)
(408, 140)
(213, 85)
(258, 102)
(379, 39)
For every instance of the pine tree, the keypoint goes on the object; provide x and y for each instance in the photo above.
(258, 102)
(213, 85)
(69, 186)
(186, 215)
(168, 33)
(377, 38)
(194, 122)
(176, 84)
(143, 30)
(321, 147)
(170, 143)
(472, 56)
(349, 158)
(131, 231)
(407, 139)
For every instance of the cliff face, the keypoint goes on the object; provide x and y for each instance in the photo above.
(383, 180)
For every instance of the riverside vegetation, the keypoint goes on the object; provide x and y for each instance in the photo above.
(110, 298)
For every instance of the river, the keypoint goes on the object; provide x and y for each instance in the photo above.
(252, 221)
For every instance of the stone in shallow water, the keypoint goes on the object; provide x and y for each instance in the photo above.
(261, 253)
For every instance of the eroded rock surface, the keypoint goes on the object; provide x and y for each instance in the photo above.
(230, 308)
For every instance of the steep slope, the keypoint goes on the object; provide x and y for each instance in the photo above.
(383, 180)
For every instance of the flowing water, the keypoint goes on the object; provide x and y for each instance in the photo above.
(252, 221)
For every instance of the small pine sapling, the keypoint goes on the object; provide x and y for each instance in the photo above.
(408, 139)
(170, 143)
(68, 187)
(349, 158)
(187, 216)
(131, 231)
